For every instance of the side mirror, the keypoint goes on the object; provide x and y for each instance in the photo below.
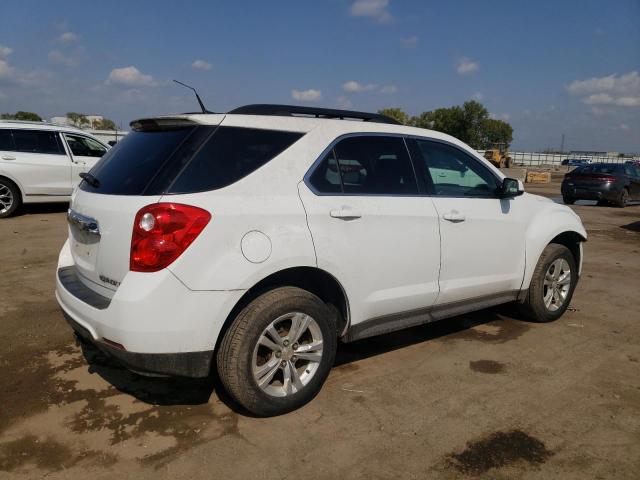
(510, 188)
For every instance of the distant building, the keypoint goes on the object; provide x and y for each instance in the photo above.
(588, 153)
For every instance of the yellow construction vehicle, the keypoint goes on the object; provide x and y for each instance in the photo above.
(498, 154)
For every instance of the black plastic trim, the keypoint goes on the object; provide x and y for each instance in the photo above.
(69, 279)
(183, 364)
(399, 321)
(329, 113)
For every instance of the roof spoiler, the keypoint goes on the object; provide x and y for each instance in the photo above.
(293, 110)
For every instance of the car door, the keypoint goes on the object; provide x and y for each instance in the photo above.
(40, 163)
(482, 236)
(85, 153)
(372, 229)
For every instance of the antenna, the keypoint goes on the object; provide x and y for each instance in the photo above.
(204, 110)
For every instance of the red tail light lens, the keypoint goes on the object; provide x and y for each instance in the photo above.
(161, 232)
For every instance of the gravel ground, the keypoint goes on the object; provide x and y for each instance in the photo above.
(480, 395)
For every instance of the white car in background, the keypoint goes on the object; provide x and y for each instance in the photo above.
(41, 162)
(252, 241)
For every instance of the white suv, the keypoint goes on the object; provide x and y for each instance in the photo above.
(40, 162)
(254, 240)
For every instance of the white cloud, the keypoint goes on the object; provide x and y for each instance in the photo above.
(6, 70)
(628, 83)
(5, 51)
(353, 86)
(477, 96)
(130, 76)
(617, 90)
(376, 9)
(466, 66)
(67, 37)
(388, 89)
(410, 42)
(310, 95)
(201, 65)
(343, 102)
(56, 56)
(500, 116)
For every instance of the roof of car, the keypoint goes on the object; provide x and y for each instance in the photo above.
(40, 126)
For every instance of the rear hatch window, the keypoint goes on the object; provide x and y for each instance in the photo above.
(185, 159)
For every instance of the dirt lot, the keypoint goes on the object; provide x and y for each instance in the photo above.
(484, 394)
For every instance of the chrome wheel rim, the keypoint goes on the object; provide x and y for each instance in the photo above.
(6, 198)
(287, 354)
(557, 281)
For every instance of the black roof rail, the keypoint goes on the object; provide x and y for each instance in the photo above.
(293, 110)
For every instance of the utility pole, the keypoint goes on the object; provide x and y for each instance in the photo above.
(562, 144)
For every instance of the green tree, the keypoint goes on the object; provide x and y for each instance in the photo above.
(474, 115)
(104, 124)
(396, 114)
(21, 115)
(78, 119)
(496, 131)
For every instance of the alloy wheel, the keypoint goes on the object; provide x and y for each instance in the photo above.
(6, 198)
(287, 354)
(557, 282)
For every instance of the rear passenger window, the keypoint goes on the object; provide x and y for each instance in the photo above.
(326, 177)
(37, 141)
(230, 154)
(6, 141)
(370, 165)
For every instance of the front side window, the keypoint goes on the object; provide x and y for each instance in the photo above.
(82, 146)
(367, 165)
(452, 172)
(37, 141)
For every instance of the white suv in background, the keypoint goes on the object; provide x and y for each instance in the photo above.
(41, 162)
(254, 240)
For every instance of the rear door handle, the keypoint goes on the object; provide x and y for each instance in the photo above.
(8, 157)
(454, 216)
(345, 213)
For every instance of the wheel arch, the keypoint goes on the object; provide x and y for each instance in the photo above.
(313, 279)
(15, 182)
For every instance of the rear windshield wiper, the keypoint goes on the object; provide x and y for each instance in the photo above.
(90, 179)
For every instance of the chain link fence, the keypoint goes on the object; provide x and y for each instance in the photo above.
(539, 159)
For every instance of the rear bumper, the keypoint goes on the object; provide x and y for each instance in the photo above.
(590, 193)
(162, 326)
(185, 364)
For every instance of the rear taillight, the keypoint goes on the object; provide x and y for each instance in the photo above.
(161, 232)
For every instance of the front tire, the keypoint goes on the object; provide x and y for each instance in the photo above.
(568, 200)
(278, 352)
(552, 284)
(10, 199)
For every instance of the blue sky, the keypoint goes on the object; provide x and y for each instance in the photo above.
(548, 67)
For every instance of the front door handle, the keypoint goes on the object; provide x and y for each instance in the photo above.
(345, 213)
(8, 157)
(454, 216)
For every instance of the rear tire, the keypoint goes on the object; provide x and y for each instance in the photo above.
(568, 200)
(10, 198)
(622, 199)
(552, 284)
(267, 364)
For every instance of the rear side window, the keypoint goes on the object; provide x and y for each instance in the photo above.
(6, 141)
(37, 141)
(134, 161)
(366, 165)
(230, 154)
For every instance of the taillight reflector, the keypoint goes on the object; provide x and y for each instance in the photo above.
(162, 232)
